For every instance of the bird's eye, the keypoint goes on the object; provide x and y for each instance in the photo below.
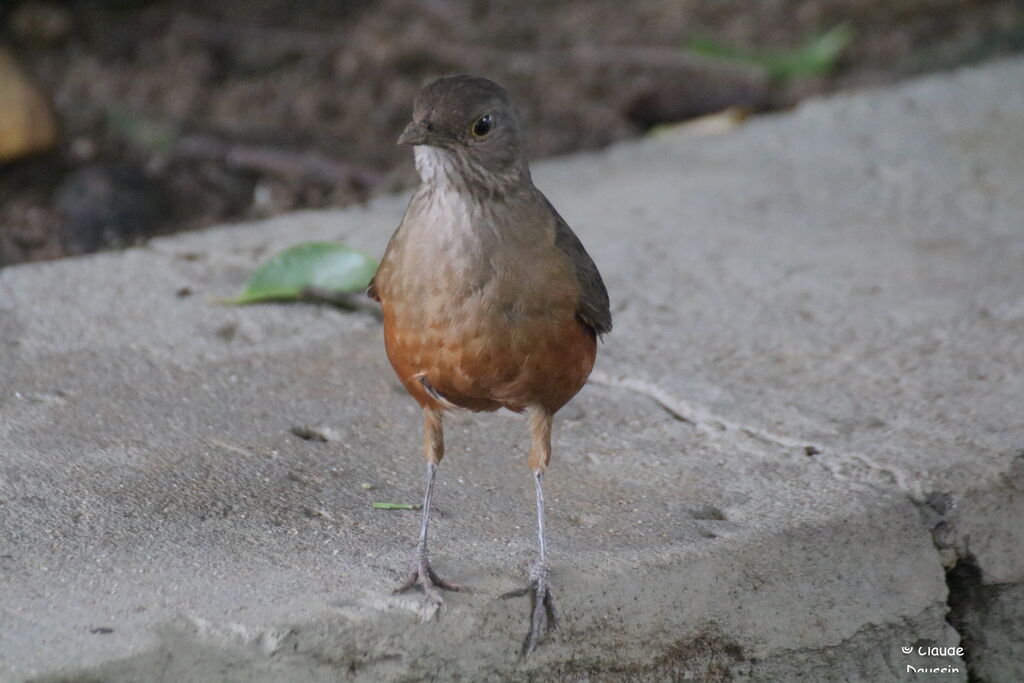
(483, 126)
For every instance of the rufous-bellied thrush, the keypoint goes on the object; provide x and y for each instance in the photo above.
(489, 299)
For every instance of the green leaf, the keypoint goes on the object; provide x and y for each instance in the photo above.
(817, 56)
(321, 266)
(396, 506)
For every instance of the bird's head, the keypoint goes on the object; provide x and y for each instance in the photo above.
(466, 131)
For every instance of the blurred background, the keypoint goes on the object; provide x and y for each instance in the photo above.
(123, 119)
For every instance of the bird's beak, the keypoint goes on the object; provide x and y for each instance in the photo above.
(416, 133)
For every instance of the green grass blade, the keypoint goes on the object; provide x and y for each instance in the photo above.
(817, 56)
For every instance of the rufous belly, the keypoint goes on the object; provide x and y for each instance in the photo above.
(489, 364)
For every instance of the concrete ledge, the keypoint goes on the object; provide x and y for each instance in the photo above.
(801, 451)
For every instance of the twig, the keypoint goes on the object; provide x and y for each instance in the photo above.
(277, 161)
(343, 300)
(397, 506)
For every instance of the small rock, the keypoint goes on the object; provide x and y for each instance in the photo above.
(706, 512)
(107, 205)
(227, 331)
(315, 433)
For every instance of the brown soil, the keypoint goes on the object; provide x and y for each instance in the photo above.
(178, 115)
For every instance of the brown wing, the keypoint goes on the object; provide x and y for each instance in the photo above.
(594, 310)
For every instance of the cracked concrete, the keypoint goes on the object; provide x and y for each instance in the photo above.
(801, 451)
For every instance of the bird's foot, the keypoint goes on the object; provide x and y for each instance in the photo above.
(543, 613)
(423, 575)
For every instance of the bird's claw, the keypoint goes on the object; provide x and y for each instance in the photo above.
(425, 577)
(543, 613)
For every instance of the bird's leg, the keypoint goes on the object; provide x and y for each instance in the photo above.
(542, 610)
(422, 573)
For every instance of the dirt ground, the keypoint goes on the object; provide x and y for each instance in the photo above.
(178, 115)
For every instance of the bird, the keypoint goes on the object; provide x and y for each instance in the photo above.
(489, 300)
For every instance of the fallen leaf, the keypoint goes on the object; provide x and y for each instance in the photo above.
(324, 266)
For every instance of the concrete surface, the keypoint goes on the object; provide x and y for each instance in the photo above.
(800, 454)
